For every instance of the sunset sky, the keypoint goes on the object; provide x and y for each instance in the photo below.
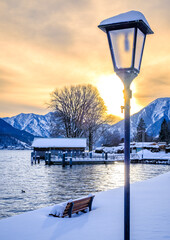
(50, 44)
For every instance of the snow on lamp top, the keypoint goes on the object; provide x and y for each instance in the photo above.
(131, 17)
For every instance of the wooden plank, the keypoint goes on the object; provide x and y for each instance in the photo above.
(81, 204)
(79, 210)
(86, 200)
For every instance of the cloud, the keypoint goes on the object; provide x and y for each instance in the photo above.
(153, 87)
(49, 44)
(42, 21)
(7, 79)
(3, 84)
(9, 108)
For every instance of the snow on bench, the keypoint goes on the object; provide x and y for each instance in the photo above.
(72, 206)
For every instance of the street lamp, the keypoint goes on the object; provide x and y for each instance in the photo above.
(126, 36)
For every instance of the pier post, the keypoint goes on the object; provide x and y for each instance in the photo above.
(71, 161)
(49, 158)
(59, 154)
(35, 156)
(32, 158)
(45, 157)
(102, 154)
(106, 156)
(90, 154)
(63, 160)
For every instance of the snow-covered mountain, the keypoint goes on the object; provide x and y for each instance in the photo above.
(153, 115)
(38, 125)
(12, 138)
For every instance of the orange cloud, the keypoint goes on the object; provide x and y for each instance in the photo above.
(49, 44)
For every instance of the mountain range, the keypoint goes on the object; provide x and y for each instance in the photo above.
(11, 137)
(20, 125)
(37, 125)
(153, 115)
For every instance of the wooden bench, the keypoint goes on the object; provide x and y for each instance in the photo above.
(78, 205)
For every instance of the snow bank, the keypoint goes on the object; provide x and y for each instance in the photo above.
(58, 209)
(156, 155)
(150, 217)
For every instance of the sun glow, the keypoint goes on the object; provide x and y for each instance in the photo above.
(111, 90)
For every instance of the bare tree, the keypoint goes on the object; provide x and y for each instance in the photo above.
(111, 139)
(78, 112)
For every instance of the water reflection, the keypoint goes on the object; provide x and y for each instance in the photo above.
(45, 185)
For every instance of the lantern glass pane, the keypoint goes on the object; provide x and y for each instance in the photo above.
(122, 44)
(139, 48)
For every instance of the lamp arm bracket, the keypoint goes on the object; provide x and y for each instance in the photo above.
(122, 108)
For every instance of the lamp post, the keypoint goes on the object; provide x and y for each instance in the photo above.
(126, 35)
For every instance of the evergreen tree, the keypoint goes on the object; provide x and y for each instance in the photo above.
(141, 135)
(164, 134)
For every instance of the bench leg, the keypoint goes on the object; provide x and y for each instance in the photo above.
(90, 203)
(70, 210)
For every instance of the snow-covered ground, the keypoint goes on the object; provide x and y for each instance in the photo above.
(156, 155)
(150, 217)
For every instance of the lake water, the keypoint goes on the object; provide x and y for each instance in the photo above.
(47, 185)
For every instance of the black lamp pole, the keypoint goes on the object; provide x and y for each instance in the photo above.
(133, 28)
(127, 96)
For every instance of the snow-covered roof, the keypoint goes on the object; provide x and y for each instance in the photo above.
(130, 16)
(59, 143)
(141, 144)
(145, 144)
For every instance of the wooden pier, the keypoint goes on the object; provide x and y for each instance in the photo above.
(80, 161)
(64, 159)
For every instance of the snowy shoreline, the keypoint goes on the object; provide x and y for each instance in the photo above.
(150, 217)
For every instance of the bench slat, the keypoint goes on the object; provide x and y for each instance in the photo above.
(82, 200)
(79, 210)
(80, 206)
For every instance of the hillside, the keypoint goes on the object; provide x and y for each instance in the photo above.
(11, 137)
(37, 125)
(153, 115)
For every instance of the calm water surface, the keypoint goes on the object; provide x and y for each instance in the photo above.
(48, 185)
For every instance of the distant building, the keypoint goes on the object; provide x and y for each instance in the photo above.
(134, 147)
(59, 145)
(167, 148)
(138, 146)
